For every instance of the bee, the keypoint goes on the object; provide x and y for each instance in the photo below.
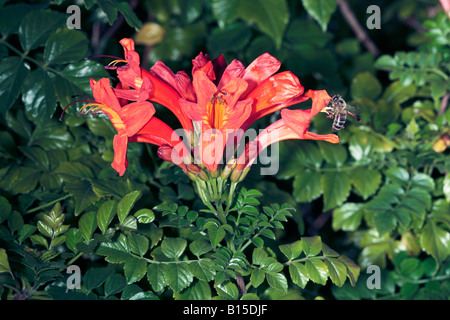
(338, 109)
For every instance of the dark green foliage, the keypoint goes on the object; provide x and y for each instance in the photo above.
(379, 197)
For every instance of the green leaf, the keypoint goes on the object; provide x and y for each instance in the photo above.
(446, 187)
(4, 264)
(200, 290)
(40, 240)
(126, 203)
(235, 35)
(320, 10)
(173, 248)
(5, 208)
(26, 231)
(73, 237)
(12, 75)
(228, 291)
(365, 181)
(115, 284)
(385, 62)
(353, 269)
(65, 46)
(155, 276)
(83, 194)
(311, 246)
(138, 243)
(398, 175)
(105, 214)
(199, 247)
(15, 221)
(307, 186)
(134, 269)
(225, 11)
(365, 85)
(435, 241)
(293, 250)
(44, 229)
(317, 271)
(348, 217)
(203, 269)
(277, 281)
(336, 270)
(334, 154)
(298, 274)
(37, 26)
(336, 188)
(271, 17)
(12, 15)
(129, 15)
(38, 95)
(216, 234)
(178, 276)
(79, 73)
(87, 225)
(384, 221)
(257, 277)
(145, 216)
(95, 277)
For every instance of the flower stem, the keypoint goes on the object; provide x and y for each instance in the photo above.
(230, 196)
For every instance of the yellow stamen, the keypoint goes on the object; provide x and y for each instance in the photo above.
(114, 62)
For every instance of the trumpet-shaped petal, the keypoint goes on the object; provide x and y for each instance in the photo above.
(127, 120)
(294, 124)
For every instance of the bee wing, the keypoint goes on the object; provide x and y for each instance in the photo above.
(354, 112)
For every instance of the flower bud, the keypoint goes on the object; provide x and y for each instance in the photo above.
(228, 169)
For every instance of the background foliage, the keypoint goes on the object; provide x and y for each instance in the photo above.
(380, 197)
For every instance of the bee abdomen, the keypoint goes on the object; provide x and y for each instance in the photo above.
(339, 121)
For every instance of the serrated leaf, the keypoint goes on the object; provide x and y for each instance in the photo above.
(145, 216)
(73, 237)
(114, 252)
(200, 247)
(95, 277)
(277, 281)
(138, 243)
(126, 203)
(87, 224)
(435, 241)
(83, 194)
(155, 275)
(105, 214)
(134, 269)
(203, 270)
(317, 271)
(45, 229)
(336, 270)
(311, 246)
(348, 217)
(298, 274)
(38, 95)
(257, 277)
(336, 188)
(37, 26)
(115, 284)
(365, 181)
(12, 75)
(228, 291)
(293, 250)
(307, 186)
(64, 46)
(173, 248)
(216, 234)
(4, 264)
(178, 276)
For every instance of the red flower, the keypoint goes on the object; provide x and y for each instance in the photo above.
(127, 119)
(294, 124)
(158, 90)
(231, 97)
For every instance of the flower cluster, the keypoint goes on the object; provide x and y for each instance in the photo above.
(214, 109)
